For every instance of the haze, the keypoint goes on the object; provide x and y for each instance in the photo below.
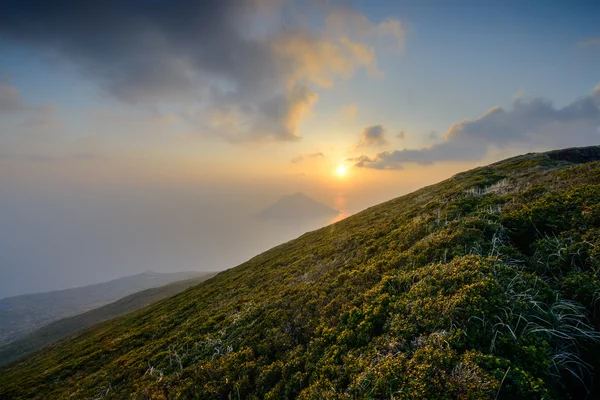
(147, 135)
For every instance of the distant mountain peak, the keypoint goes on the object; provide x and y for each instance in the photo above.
(297, 205)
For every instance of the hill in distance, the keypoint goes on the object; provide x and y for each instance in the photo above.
(482, 286)
(20, 315)
(297, 205)
(68, 326)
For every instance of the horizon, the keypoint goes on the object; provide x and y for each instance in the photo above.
(148, 135)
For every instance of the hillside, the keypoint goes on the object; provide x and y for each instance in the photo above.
(297, 205)
(20, 315)
(482, 286)
(71, 325)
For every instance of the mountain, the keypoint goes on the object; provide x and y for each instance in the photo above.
(71, 325)
(297, 205)
(20, 315)
(482, 286)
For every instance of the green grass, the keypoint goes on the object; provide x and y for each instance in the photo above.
(482, 286)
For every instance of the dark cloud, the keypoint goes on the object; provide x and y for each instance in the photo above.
(433, 135)
(241, 69)
(140, 47)
(536, 123)
(373, 136)
(299, 159)
(146, 51)
(366, 162)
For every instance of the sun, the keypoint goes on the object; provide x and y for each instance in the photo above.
(341, 171)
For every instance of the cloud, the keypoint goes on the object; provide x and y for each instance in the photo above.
(536, 124)
(10, 100)
(22, 117)
(350, 23)
(366, 162)
(241, 69)
(373, 136)
(592, 42)
(304, 157)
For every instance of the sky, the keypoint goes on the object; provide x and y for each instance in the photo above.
(147, 134)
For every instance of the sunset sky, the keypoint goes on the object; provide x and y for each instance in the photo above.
(126, 127)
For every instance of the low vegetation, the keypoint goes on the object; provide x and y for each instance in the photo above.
(483, 286)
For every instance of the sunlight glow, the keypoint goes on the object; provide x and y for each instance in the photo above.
(341, 171)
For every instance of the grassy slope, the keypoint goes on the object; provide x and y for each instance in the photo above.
(481, 286)
(68, 326)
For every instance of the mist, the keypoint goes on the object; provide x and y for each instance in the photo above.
(66, 239)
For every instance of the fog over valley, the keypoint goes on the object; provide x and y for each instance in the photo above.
(61, 240)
